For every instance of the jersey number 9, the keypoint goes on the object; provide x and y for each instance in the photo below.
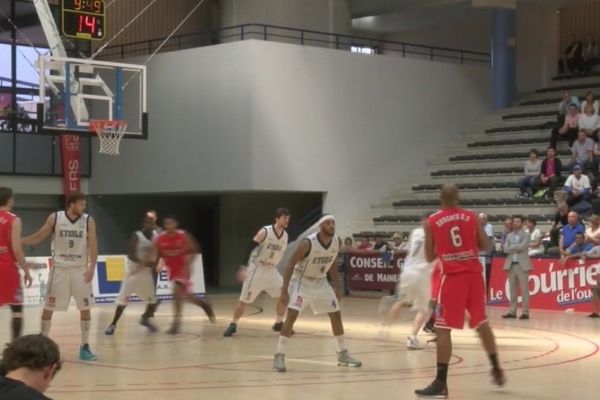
(71, 243)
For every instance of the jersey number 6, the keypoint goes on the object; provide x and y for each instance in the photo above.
(455, 236)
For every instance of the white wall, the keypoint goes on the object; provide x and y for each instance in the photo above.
(268, 116)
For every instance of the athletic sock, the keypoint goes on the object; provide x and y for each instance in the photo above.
(279, 319)
(341, 342)
(282, 344)
(46, 326)
(442, 372)
(235, 320)
(118, 313)
(85, 331)
(17, 327)
(494, 361)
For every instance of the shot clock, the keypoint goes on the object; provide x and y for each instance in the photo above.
(83, 19)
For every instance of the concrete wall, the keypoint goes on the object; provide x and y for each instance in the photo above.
(537, 46)
(471, 35)
(277, 117)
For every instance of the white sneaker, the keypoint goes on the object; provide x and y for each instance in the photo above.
(412, 343)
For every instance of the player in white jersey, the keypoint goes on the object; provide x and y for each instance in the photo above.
(414, 286)
(142, 259)
(266, 251)
(74, 256)
(305, 284)
(152, 307)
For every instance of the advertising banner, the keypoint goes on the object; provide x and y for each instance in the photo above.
(552, 286)
(110, 271)
(373, 271)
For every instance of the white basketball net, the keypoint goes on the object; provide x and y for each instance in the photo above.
(110, 134)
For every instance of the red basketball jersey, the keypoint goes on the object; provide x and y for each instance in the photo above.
(6, 253)
(455, 238)
(173, 248)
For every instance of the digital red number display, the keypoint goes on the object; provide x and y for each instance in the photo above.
(83, 19)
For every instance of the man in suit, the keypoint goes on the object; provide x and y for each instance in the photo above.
(517, 264)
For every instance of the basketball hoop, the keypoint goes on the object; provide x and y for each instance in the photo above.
(110, 133)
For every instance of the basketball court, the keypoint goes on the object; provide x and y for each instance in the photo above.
(553, 355)
(550, 356)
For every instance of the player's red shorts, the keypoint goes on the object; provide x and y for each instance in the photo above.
(178, 275)
(10, 284)
(436, 280)
(460, 293)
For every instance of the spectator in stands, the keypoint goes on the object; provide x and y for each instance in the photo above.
(569, 129)
(563, 106)
(589, 54)
(572, 61)
(380, 245)
(549, 173)
(518, 265)
(568, 232)
(577, 248)
(29, 363)
(487, 227)
(347, 247)
(589, 122)
(532, 170)
(577, 187)
(364, 245)
(592, 233)
(536, 248)
(508, 228)
(397, 243)
(590, 99)
(582, 152)
(560, 220)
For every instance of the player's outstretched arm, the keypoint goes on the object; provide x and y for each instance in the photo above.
(17, 249)
(42, 234)
(93, 248)
(300, 253)
(429, 243)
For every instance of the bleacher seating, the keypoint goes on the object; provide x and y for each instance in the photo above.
(485, 165)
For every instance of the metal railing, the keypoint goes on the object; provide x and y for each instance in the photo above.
(303, 37)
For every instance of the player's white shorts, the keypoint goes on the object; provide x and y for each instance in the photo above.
(261, 279)
(67, 282)
(317, 294)
(415, 287)
(138, 281)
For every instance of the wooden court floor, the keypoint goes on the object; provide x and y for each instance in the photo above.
(552, 356)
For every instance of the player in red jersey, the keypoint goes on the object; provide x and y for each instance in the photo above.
(179, 250)
(11, 255)
(455, 236)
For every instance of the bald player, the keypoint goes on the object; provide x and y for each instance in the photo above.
(455, 236)
(305, 284)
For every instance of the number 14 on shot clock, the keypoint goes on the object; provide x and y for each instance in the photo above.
(83, 19)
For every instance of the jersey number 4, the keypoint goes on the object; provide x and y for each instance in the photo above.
(455, 236)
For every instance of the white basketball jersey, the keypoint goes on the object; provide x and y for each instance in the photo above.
(145, 247)
(415, 257)
(70, 241)
(319, 259)
(271, 250)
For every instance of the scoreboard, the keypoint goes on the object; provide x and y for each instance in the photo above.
(83, 19)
